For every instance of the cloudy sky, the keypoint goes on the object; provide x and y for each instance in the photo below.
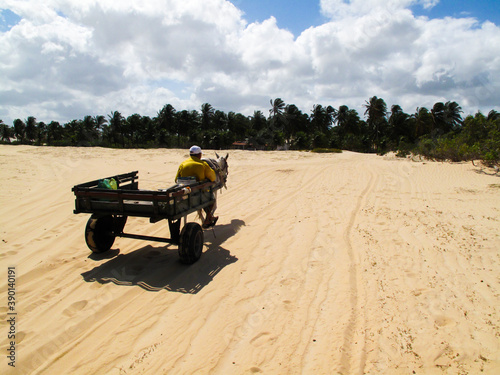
(64, 59)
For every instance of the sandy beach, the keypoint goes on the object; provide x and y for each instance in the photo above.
(319, 264)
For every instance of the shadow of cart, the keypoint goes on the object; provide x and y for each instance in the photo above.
(158, 268)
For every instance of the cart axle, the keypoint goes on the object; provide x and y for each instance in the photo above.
(147, 238)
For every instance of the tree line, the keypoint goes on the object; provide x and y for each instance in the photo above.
(439, 133)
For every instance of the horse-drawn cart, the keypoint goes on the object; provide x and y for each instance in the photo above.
(110, 208)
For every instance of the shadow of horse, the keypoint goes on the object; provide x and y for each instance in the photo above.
(158, 268)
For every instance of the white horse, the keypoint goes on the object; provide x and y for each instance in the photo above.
(221, 169)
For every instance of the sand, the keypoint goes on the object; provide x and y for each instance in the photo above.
(319, 264)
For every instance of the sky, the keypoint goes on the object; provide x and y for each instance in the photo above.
(65, 59)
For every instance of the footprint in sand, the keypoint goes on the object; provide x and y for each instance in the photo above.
(288, 304)
(442, 321)
(8, 253)
(418, 292)
(74, 308)
(51, 294)
(20, 337)
(261, 338)
(3, 315)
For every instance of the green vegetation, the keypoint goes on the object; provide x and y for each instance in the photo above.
(440, 133)
(326, 150)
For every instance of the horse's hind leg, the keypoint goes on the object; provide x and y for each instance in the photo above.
(200, 215)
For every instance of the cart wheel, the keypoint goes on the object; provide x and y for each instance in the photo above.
(99, 233)
(191, 243)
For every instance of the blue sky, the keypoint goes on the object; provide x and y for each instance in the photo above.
(71, 58)
(294, 15)
(482, 10)
(8, 19)
(298, 15)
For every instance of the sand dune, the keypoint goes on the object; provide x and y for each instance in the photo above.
(320, 264)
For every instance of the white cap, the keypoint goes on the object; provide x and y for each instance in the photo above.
(195, 150)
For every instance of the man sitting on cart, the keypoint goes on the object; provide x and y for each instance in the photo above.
(195, 167)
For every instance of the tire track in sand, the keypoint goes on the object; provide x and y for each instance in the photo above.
(353, 347)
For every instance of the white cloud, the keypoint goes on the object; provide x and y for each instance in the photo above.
(264, 44)
(69, 58)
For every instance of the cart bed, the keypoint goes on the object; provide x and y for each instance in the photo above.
(128, 200)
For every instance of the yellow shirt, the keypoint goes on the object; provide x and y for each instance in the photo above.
(197, 168)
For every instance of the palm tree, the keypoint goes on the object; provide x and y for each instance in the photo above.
(276, 116)
(423, 122)
(319, 118)
(207, 113)
(438, 116)
(41, 132)
(134, 124)
(347, 120)
(30, 129)
(340, 117)
(166, 124)
(90, 128)
(453, 115)
(220, 120)
(258, 121)
(116, 126)
(399, 125)
(100, 120)
(187, 122)
(6, 132)
(277, 107)
(238, 125)
(258, 125)
(278, 122)
(396, 110)
(296, 120)
(76, 131)
(54, 132)
(147, 130)
(493, 115)
(446, 117)
(19, 129)
(330, 112)
(349, 132)
(376, 109)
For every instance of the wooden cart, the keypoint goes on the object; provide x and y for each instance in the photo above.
(111, 208)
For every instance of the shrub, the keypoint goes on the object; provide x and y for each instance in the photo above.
(404, 149)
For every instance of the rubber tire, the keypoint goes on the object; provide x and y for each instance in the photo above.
(99, 233)
(191, 243)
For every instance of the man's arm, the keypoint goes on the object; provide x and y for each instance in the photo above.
(178, 173)
(209, 173)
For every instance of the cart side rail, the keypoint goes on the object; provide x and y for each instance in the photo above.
(124, 181)
(171, 204)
